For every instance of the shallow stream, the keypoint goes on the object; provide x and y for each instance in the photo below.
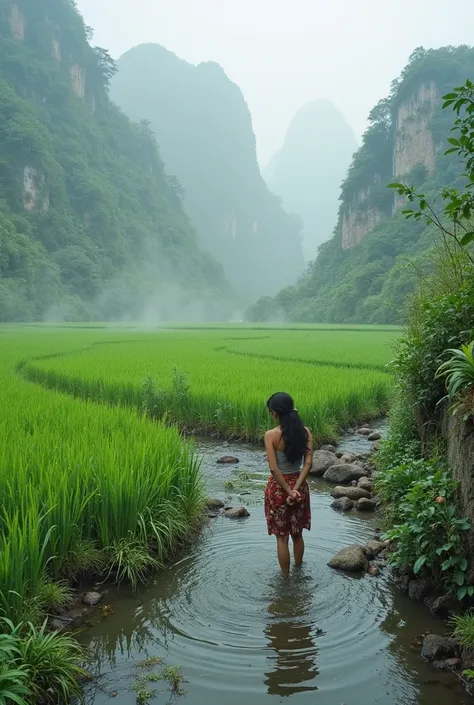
(241, 635)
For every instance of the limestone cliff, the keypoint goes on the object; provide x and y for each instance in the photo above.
(361, 274)
(307, 172)
(414, 143)
(359, 219)
(408, 145)
(204, 129)
(90, 225)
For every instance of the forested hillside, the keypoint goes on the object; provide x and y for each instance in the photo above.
(206, 138)
(308, 170)
(375, 255)
(90, 225)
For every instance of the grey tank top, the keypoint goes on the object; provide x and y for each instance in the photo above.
(284, 465)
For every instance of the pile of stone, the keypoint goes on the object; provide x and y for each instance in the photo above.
(350, 473)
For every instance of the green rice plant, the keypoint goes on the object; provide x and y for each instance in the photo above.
(13, 677)
(217, 390)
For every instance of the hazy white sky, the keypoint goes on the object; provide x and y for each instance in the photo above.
(285, 53)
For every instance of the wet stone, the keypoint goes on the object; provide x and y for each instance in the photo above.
(228, 460)
(366, 505)
(343, 473)
(329, 448)
(376, 547)
(351, 559)
(364, 431)
(91, 599)
(438, 648)
(374, 436)
(353, 493)
(344, 504)
(322, 460)
(214, 504)
(365, 484)
(236, 512)
(444, 605)
(417, 589)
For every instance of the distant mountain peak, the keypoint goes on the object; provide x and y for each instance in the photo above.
(307, 171)
(204, 129)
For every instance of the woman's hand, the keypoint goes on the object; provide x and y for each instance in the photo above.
(293, 496)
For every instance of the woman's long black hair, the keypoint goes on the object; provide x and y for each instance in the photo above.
(295, 436)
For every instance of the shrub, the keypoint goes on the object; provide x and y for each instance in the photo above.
(429, 539)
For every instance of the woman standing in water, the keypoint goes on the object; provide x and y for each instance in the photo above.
(290, 457)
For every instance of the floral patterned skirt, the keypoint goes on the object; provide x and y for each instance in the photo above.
(287, 519)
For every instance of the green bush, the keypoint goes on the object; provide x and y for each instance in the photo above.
(436, 323)
(430, 536)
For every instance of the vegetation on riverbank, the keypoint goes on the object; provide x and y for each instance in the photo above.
(433, 375)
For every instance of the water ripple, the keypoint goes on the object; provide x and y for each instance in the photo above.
(241, 632)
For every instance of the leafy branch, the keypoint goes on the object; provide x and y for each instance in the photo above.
(458, 212)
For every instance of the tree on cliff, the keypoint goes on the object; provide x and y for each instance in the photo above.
(369, 282)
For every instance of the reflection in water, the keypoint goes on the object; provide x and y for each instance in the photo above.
(291, 636)
(239, 638)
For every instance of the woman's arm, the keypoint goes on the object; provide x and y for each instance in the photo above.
(308, 462)
(273, 465)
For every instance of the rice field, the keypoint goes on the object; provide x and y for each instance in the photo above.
(337, 377)
(94, 477)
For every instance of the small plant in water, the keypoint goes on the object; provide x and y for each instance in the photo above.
(143, 695)
(175, 678)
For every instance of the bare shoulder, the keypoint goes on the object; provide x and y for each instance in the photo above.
(271, 435)
(308, 433)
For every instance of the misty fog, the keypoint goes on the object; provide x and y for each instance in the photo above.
(283, 54)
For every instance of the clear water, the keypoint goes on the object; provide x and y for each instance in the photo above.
(241, 634)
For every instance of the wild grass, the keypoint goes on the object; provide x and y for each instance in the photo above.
(463, 629)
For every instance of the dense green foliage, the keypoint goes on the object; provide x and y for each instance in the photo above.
(90, 225)
(206, 139)
(429, 533)
(370, 282)
(307, 172)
